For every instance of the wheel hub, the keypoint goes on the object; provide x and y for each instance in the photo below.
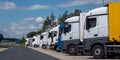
(72, 49)
(97, 52)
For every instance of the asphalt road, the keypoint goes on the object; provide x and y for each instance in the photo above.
(24, 53)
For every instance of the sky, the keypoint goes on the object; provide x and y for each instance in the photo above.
(18, 17)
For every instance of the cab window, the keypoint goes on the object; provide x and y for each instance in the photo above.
(90, 23)
(54, 33)
(41, 37)
(67, 29)
(49, 35)
(33, 40)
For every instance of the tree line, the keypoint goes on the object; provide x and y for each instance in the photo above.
(50, 21)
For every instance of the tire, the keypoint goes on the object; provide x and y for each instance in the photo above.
(34, 46)
(43, 46)
(98, 52)
(56, 46)
(72, 50)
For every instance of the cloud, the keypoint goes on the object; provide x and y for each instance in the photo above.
(74, 3)
(38, 6)
(32, 27)
(83, 2)
(29, 19)
(21, 28)
(11, 5)
(39, 19)
(4, 30)
(7, 5)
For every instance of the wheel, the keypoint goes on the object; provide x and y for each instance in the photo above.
(72, 50)
(34, 46)
(43, 46)
(55, 47)
(98, 52)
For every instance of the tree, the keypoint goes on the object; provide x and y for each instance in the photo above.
(46, 24)
(1, 37)
(38, 32)
(63, 17)
(22, 41)
(66, 15)
(76, 12)
(31, 34)
(52, 19)
(10, 39)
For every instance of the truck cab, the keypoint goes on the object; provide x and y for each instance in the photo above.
(27, 42)
(101, 31)
(95, 29)
(35, 42)
(70, 35)
(43, 40)
(54, 37)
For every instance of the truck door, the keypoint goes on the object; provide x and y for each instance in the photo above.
(91, 30)
(67, 32)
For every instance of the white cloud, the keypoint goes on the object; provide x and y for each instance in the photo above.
(39, 19)
(4, 30)
(29, 19)
(15, 24)
(38, 6)
(13, 27)
(83, 2)
(11, 5)
(21, 32)
(74, 3)
(32, 27)
(21, 28)
(7, 5)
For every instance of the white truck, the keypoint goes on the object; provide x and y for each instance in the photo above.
(99, 32)
(53, 38)
(36, 41)
(43, 40)
(70, 35)
(27, 42)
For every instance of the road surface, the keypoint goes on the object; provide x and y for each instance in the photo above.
(24, 53)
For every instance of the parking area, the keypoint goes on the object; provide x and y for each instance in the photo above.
(63, 56)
